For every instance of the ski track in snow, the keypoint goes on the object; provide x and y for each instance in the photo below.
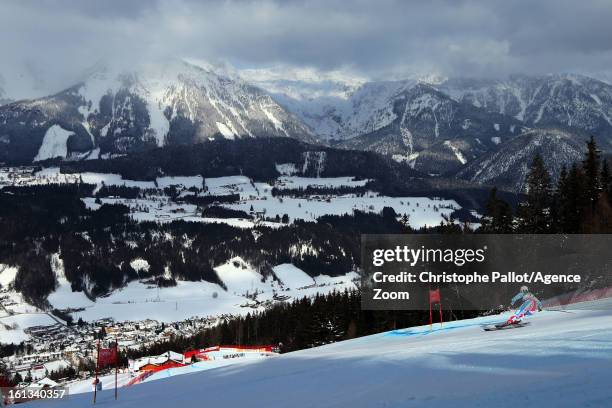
(560, 360)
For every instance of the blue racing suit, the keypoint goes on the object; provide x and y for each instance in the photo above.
(530, 305)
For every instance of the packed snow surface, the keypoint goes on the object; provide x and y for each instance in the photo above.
(562, 359)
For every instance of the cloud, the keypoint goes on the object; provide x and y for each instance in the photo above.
(49, 43)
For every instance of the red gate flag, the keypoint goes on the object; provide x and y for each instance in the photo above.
(434, 296)
(107, 356)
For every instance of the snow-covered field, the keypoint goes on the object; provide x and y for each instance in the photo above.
(560, 360)
(422, 211)
(12, 330)
(286, 182)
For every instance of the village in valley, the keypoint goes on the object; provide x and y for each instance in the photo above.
(52, 349)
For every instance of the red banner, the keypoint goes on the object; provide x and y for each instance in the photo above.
(107, 356)
(434, 296)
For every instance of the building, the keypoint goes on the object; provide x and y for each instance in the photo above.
(169, 359)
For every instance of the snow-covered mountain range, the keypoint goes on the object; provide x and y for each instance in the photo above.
(549, 100)
(117, 112)
(437, 125)
(445, 126)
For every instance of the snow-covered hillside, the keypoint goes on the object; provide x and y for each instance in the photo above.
(508, 166)
(247, 291)
(54, 144)
(140, 301)
(438, 126)
(433, 132)
(16, 314)
(562, 359)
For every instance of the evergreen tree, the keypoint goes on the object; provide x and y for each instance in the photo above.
(498, 217)
(556, 215)
(535, 211)
(599, 219)
(606, 179)
(591, 169)
(571, 200)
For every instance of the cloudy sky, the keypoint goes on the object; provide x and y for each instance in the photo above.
(49, 43)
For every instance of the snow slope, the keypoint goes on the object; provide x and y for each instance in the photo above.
(124, 377)
(54, 143)
(16, 314)
(19, 322)
(560, 360)
(108, 382)
(63, 297)
(292, 276)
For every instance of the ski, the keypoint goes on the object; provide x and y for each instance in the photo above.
(504, 326)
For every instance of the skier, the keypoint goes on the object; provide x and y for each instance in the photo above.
(528, 307)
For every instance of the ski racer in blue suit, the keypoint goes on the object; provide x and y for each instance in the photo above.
(530, 305)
